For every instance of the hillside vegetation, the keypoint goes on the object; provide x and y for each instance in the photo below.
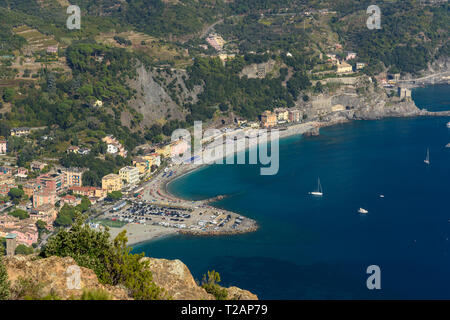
(99, 61)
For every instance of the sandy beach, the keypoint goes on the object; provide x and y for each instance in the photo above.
(155, 191)
(138, 233)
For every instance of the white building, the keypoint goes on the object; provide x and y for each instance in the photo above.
(112, 149)
(129, 174)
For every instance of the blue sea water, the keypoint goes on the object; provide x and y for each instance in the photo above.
(320, 248)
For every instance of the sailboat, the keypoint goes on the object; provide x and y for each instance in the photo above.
(319, 191)
(427, 160)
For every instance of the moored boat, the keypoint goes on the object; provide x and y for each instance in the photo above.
(319, 191)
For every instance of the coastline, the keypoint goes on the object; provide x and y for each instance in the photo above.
(138, 234)
(310, 128)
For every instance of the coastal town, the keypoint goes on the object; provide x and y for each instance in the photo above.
(35, 197)
(182, 150)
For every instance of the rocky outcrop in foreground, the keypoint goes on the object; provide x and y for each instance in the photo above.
(52, 275)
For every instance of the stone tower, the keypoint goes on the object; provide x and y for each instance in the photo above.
(11, 244)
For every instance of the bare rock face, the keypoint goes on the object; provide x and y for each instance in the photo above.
(176, 279)
(383, 109)
(53, 274)
(235, 293)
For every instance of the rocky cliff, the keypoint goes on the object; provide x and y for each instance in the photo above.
(160, 94)
(53, 275)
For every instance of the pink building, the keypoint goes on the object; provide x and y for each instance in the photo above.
(27, 236)
(70, 200)
(350, 56)
(178, 147)
(42, 197)
(51, 182)
(25, 230)
(22, 171)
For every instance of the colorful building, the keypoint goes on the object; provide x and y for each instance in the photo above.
(282, 115)
(46, 212)
(178, 148)
(70, 200)
(294, 115)
(29, 188)
(89, 192)
(153, 159)
(19, 132)
(41, 197)
(129, 174)
(350, 56)
(7, 170)
(73, 177)
(142, 165)
(164, 151)
(268, 119)
(51, 182)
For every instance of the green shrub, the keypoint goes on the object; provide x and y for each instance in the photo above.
(95, 294)
(30, 289)
(21, 214)
(111, 261)
(23, 249)
(5, 291)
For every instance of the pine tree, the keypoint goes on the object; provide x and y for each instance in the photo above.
(4, 282)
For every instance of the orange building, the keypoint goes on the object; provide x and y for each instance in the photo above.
(268, 119)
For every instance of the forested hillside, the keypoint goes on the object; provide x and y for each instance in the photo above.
(98, 61)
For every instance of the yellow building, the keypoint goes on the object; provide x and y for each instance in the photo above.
(112, 182)
(73, 177)
(164, 151)
(142, 165)
(282, 115)
(268, 119)
(153, 159)
(99, 193)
